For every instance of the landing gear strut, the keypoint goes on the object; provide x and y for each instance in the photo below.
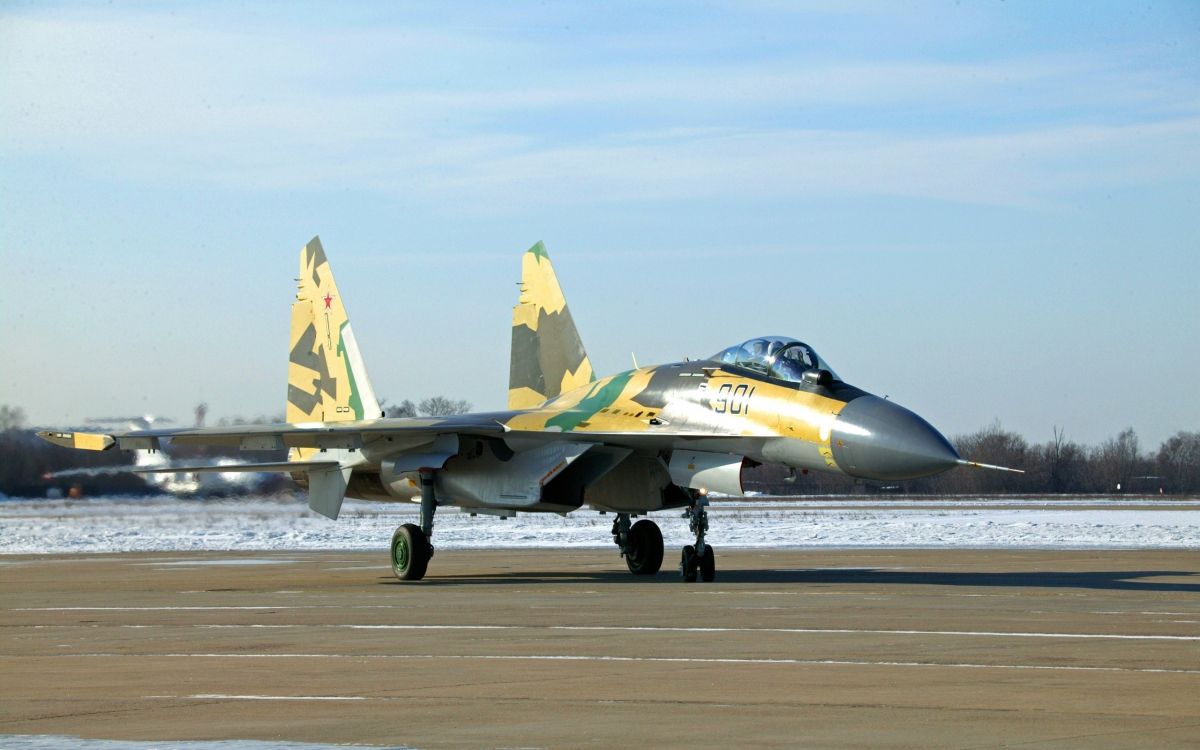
(699, 559)
(641, 544)
(411, 545)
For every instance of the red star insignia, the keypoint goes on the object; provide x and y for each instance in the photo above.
(328, 301)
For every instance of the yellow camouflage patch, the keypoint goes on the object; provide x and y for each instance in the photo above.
(547, 355)
(87, 441)
(327, 380)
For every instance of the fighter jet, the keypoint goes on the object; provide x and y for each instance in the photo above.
(647, 439)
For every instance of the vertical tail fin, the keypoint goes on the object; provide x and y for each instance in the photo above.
(547, 355)
(327, 380)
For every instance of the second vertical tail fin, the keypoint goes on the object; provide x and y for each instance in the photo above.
(547, 355)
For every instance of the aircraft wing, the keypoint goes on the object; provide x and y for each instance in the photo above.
(278, 436)
(237, 468)
(354, 435)
(341, 444)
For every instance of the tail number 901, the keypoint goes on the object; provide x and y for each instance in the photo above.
(733, 399)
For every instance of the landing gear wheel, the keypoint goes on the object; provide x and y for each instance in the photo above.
(644, 551)
(411, 551)
(708, 564)
(689, 564)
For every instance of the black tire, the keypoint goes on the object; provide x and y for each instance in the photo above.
(410, 552)
(687, 565)
(644, 553)
(708, 564)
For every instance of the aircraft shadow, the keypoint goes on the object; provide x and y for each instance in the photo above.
(1116, 580)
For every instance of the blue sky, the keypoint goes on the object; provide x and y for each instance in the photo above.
(987, 211)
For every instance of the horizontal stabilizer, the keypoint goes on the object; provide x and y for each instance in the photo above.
(327, 489)
(286, 466)
(993, 467)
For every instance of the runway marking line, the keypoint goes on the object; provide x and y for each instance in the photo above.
(223, 696)
(653, 629)
(1125, 612)
(651, 659)
(616, 628)
(979, 633)
(200, 608)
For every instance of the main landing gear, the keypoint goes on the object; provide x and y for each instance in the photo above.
(698, 559)
(641, 544)
(411, 544)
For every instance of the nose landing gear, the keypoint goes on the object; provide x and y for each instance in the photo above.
(699, 559)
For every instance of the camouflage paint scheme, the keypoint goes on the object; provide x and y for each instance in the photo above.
(322, 386)
(547, 356)
(568, 439)
(323, 353)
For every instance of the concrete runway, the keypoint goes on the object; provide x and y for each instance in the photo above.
(563, 648)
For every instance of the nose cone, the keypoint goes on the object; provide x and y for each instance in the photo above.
(877, 439)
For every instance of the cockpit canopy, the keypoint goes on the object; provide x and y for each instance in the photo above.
(779, 357)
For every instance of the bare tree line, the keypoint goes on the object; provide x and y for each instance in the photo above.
(434, 406)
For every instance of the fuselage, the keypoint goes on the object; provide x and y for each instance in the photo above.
(833, 427)
(622, 438)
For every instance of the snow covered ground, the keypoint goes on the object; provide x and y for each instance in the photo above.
(171, 524)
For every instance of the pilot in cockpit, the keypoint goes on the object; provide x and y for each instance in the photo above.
(787, 368)
(775, 356)
(792, 363)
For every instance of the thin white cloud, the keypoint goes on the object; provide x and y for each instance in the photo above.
(1025, 168)
(155, 98)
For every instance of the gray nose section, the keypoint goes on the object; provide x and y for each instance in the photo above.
(876, 439)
